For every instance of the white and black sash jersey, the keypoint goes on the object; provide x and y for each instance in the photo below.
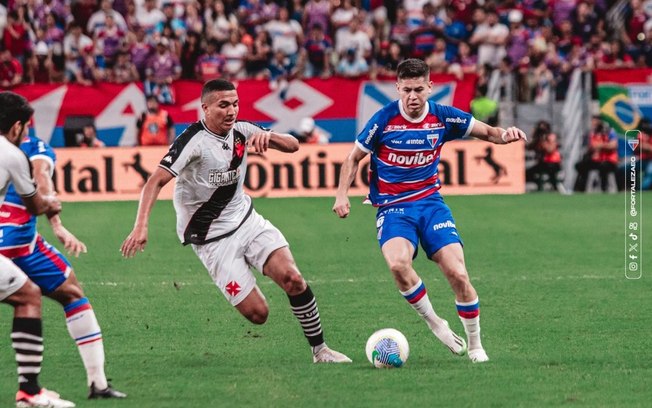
(210, 169)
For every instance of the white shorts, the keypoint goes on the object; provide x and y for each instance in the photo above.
(230, 260)
(11, 278)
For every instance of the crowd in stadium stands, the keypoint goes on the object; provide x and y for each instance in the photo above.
(160, 41)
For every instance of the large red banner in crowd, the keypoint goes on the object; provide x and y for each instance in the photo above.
(339, 106)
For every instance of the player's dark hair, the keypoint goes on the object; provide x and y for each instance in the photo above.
(216, 85)
(13, 107)
(412, 68)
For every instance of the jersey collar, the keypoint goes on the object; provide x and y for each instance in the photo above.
(410, 119)
(213, 133)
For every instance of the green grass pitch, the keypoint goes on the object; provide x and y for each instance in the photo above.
(560, 322)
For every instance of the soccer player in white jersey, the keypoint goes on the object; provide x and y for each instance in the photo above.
(15, 288)
(405, 139)
(217, 218)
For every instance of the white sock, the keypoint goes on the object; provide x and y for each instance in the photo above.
(469, 313)
(84, 329)
(417, 297)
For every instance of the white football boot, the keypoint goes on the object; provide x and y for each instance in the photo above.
(45, 398)
(455, 343)
(326, 355)
(478, 355)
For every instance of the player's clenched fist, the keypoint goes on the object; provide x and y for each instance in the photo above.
(342, 207)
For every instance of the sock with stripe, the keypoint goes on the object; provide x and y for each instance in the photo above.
(304, 308)
(417, 297)
(469, 313)
(27, 341)
(84, 329)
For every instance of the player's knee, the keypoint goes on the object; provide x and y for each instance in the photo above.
(28, 297)
(293, 282)
(258, 315)
(400, 268)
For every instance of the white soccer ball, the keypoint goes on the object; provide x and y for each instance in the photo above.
(387, 348)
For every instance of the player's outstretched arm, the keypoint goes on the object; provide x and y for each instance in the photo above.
(263, 140)
(137, 239)
(497, 135)
(342, 206)
(41, 170)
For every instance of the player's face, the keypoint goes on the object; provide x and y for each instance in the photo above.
(221, 111)
(414, 94)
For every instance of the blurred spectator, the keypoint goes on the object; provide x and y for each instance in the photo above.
(109, 39)
(317, 12)
(124, 71)
(88, 137)
(281, 71)
(259, 56)
(140, 51)
(149, 16)
(172, 23)
(490, 37)
(400, 31)
(286, 35)
(614, 57)
(317, 52)
(455, 33)
(155, 125)
(426, 32)
(39, 67)
(131, 16)
(547, 158)
(342, 15)
(98, 19)
(210, 65)
(11, 70)
(352, 66)
(352, 37)
(436, 60)
(601, 155)
(250, 14)
(586, 21)
(193, 19)
(309, 133)
(162, 69)
(464, 62)
(190, 52)
(235, 53)
(219, 23)
(518, 41)
(387, 60)
(16, 35)
(54, 8)
(73, 44)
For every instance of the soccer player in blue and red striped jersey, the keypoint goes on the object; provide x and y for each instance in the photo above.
(405, 139)
(49, 269)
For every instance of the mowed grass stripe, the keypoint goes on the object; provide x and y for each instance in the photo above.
(560, 323)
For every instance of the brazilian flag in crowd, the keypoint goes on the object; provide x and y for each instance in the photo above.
(617, 108)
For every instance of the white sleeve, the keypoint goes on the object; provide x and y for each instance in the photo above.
(20, 173)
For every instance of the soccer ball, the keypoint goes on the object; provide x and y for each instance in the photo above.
(387, 348)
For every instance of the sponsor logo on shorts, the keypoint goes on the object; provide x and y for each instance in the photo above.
(446, 224)
(380, 221)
